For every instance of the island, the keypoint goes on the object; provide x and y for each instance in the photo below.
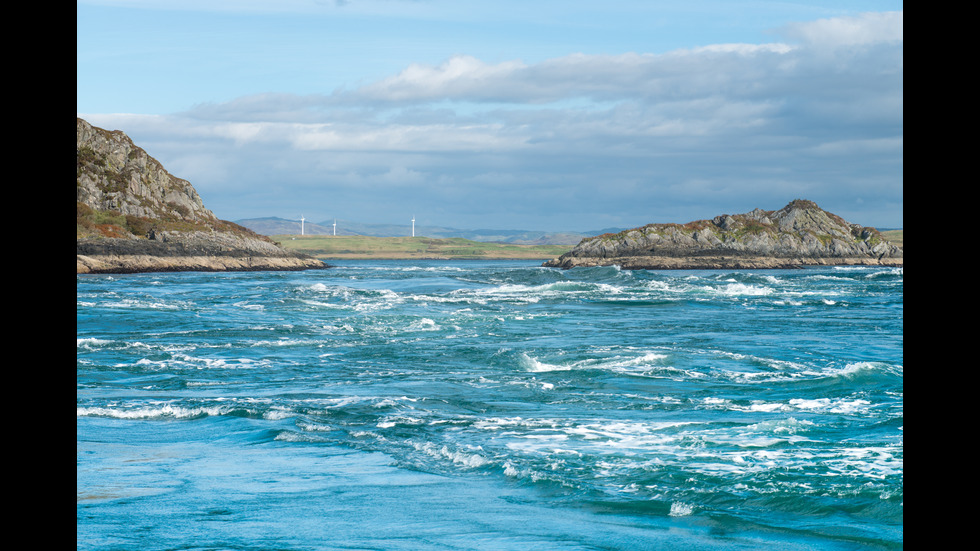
(133, 216)
(797, 235)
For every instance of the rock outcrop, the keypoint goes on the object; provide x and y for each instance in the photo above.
(134, 216)
(799, 234)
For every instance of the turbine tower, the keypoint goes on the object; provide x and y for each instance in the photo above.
(302, 224)
(413, 225)
(335, 226)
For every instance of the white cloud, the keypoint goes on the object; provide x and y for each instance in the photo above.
(405, 138)
(867, 28)
(725, 123)
(458, 77)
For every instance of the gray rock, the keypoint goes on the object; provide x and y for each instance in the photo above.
(801, 233)
(116, 180)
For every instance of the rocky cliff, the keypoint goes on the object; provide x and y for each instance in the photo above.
(799, 234)
(134, 216)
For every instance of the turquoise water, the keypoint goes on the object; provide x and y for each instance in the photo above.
(490, 405)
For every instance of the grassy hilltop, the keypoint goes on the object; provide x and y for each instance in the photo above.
(362, 246)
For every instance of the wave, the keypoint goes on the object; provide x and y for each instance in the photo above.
(679, 509)
(156, 411)
(646, 363)
(602, 284)
(712, 394)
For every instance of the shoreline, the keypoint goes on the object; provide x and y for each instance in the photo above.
(717, 262)
(133, 264)
(413, 248)
(356, 256)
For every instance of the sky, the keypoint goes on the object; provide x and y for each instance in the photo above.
(549, 115)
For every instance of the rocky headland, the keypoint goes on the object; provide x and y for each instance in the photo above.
(134, 216)
(800, 234)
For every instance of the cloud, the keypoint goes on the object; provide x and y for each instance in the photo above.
(863, 29)
(633, 136)
(597, 77)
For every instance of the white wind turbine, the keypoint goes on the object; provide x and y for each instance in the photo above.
(335, 226)
(413, 225)
(302, 224)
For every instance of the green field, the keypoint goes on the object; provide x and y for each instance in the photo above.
(895, 236)
(360, 246)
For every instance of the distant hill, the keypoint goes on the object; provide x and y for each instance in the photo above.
(134, 216)
(281, 226)
(799, 234)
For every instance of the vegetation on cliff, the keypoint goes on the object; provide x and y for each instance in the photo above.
(129, 206)
(121, 191)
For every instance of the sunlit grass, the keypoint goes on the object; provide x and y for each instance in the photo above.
(360, 246)
(895, 236)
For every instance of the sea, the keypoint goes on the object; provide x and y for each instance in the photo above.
(490, 405)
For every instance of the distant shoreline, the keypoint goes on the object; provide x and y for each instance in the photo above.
(340, 247)
(359, 247)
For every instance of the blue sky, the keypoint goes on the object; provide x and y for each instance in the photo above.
(544, 115)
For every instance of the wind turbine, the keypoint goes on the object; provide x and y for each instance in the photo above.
(302, 224)
(413, 225)
(335, 226)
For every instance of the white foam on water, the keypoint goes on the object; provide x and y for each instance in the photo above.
(278, 413)
(609, 438)
(150, 411)
(741, 289)
(389, 402)
(537, 366)
(824, 277)
(840, 405)
(859, 367)
(645, 363)
(679, 509)
(844, 406)
(393, 420)
(875, 462)
(784, 365)
(385, 299)
(470, 459)
(423, 324)
(856, 369)
(760, 406)
(151, 304)
(291, 436)
(531, 294)
(90, 343)
(184, 361)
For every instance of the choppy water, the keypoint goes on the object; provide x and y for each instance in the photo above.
(490, 405)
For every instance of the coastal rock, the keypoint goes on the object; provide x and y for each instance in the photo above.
(134, 216)
(799, 234)
(115, 264)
